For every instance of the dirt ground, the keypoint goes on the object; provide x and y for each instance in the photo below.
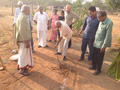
(49, 73)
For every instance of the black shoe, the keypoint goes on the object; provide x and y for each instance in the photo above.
(47, 46)
(49, 40)
(92, 68)
(64, 58)
(96, 72)
(39, 46)
(57, 53)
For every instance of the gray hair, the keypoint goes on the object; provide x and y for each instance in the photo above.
(24, 8)
(102, 13)
(58, 23)
(39, 6)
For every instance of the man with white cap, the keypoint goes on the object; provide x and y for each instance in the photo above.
(17, 12)
(23, 40)
(41, 19)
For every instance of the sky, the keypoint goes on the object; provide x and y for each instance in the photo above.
(86, 0)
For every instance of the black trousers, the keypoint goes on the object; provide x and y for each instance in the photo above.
(58, 34)
(32, 43)
(97, 59)
(86, 42)
(70, 42)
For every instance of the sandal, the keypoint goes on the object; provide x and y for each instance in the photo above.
(39, 46)
(26, 69)
(24, 73)
(18, 68)
(57, 53)
(49, 40)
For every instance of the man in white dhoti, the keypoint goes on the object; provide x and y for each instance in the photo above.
(41, 18)
(23, 40)
(17, 12)
(65, 35)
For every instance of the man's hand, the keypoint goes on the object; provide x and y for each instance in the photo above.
(58, 42)
(31, 28)
(48, 27)
(56, 29)
(80, 33)
(73, 23)
(55, 46)
(102, 50)
(13, 25)
(27, 45)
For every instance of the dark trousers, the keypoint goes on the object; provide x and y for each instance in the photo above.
(86, 42)
(32, 43)
(97, 59)
(58, 34)
(70, 42)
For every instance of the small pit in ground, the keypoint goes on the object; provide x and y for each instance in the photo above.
(64, 69)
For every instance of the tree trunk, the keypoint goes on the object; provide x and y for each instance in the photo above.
(32, 8)
(12, 8)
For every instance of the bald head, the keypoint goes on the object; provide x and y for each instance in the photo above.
(40, 9)
(58, 24)
(68, 8)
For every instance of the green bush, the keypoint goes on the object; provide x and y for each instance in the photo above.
(119, 42)
(81, 11)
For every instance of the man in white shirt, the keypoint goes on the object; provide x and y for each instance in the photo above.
(65, 35)
(41, 18)
(17, 12)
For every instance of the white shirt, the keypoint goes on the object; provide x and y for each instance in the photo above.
(65, 31)
(17, 12)
(41, 21)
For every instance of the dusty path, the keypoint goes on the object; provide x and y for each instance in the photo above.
(47, 73)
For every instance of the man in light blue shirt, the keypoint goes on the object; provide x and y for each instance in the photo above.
(103, 40)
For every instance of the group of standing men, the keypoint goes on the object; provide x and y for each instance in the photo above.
(97, 30)
(97, 34)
